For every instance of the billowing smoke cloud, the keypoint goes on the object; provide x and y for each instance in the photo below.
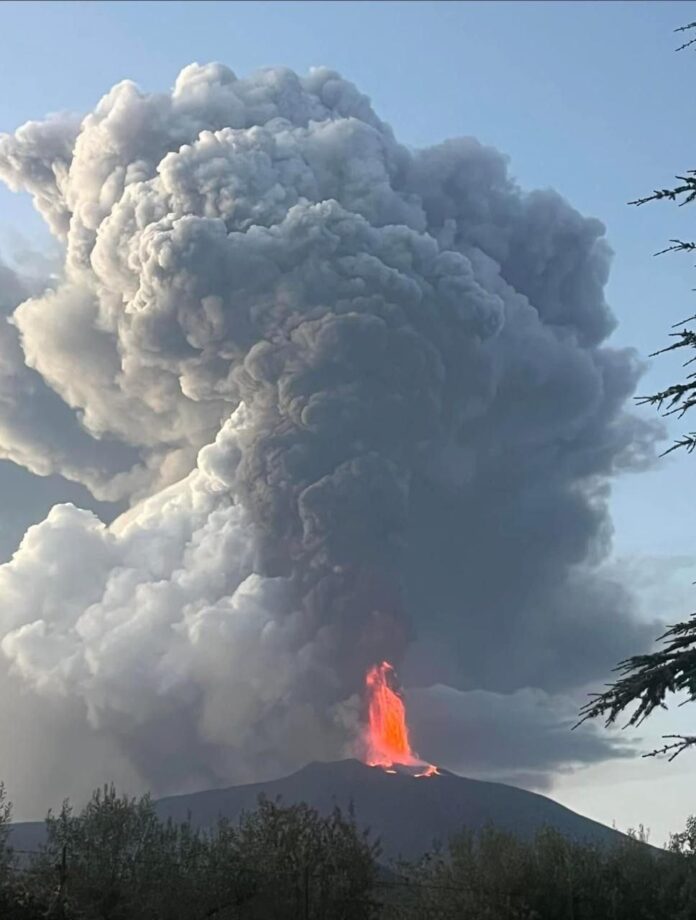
(357, 397)
(38, 433)
(521, 738)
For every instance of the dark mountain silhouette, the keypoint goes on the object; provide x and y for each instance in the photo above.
(408, 814)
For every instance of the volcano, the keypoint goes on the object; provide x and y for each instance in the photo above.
(408, 814)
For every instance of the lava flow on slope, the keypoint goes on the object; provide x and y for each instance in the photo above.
(387, 743)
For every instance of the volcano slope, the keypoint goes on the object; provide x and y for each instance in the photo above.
(408, 815)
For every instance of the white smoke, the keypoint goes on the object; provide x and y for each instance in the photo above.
(161, 615)
(324, 369)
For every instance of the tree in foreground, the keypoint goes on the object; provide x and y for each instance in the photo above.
(116, 860)
(306, 865)
(5, 816)
(645, 681)
(497, 876)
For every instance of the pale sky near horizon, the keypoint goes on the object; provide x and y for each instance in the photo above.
(587, 98)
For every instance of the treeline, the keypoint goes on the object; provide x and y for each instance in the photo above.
(116, 860)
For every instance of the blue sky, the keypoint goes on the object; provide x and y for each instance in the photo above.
(588, 98)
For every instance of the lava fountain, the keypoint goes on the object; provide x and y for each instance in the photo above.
(387, 744)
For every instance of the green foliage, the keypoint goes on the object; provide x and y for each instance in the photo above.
(499, 877)
(116, 860)
(18, 901)
(306, 866)
(5, 816)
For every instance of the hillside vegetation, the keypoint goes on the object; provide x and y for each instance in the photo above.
(117, 860)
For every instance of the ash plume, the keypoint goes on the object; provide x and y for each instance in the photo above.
(357, 398)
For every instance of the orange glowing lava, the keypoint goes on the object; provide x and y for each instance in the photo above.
(386, 737)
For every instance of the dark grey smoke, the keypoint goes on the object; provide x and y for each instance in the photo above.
(521, 738)
(359, 398)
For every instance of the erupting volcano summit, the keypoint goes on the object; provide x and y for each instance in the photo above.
(387, 742)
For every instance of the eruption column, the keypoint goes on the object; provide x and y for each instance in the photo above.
(318, 367)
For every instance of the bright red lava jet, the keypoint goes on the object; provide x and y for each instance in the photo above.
(386, 736)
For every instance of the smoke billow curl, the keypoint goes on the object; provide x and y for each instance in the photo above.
(357, 398)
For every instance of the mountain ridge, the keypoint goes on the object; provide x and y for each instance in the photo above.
(409, 815)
